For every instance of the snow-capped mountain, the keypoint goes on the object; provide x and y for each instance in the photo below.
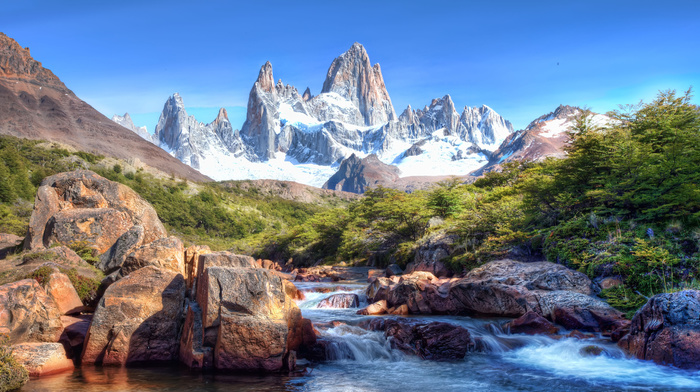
(126, 122)
(304, 138)
(544, 137)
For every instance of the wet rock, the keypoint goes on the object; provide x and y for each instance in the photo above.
(83, 206)
(42, 359)
(667, 330)
(137, 319)
(378, 289)
(340, 301)
(113, 259)
(28, 314)
(164, 253)
(192, 351)
(375, 273)
(401, 310)
(436, 341)
(531, 323)
(60, 288)
(257, 325)
(592, 351)
(375, 309)
(326, 274)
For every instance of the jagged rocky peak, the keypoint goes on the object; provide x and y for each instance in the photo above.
(440, 114)
(307, 95)
(352, 76)
(492, 128)
(265, 80)
(126, 122)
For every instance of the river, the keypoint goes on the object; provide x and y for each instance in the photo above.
(364, 361)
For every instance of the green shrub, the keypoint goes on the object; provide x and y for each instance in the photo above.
(41, 275)
(12, 374)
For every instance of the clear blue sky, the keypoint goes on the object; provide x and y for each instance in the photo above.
(521, 58)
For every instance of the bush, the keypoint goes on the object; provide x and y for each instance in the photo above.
(12, 374)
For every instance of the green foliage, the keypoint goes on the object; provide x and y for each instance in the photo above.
(84, 286)
(83, 249)
(41, 275)
(12, 374)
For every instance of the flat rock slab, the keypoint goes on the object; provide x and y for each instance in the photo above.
(42, 359)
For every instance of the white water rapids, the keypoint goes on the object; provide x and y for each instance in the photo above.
(361, 360)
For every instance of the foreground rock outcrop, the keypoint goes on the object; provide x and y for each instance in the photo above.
(83, 207)
(667, 330)
(137, 319)
(247, 319)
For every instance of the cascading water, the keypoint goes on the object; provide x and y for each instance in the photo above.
(361, 360)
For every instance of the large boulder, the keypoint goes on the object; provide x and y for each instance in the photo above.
(28, 314)
(431, 253)
(531, 323)
(248, 319)
(164, 253)
(223, 259)
(667, 330)
(81, 206)
(42, 359)
(434, 341)
(137, 319)
(193, 352)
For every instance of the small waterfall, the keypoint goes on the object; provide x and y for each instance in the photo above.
(352, 343)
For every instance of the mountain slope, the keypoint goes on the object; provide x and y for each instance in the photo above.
(544, 137)
(35, 104)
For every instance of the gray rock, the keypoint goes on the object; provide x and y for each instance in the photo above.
(113, 259)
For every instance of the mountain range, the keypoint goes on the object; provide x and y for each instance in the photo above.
(348, 137)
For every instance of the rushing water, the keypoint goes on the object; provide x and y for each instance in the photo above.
(363, 360)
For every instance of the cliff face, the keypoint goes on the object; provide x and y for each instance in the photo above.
(35, 104)
(352, 76)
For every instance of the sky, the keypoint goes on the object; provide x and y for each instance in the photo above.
(521, 58)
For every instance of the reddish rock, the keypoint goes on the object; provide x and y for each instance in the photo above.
(292, 290)
(28, 314)
(531, 323)
(99, 228)
(223, 259)
(164, 253)
(256, 325)
(375, 273)
(433, 341)
(60, 288)
(137, 319)
(375, 309)
(82, 205)
(430, 255)
(401, 310)
(340, 301)
(667, 330)
(392, 270)
(378, 289)
(192, 263)
(42, 359)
